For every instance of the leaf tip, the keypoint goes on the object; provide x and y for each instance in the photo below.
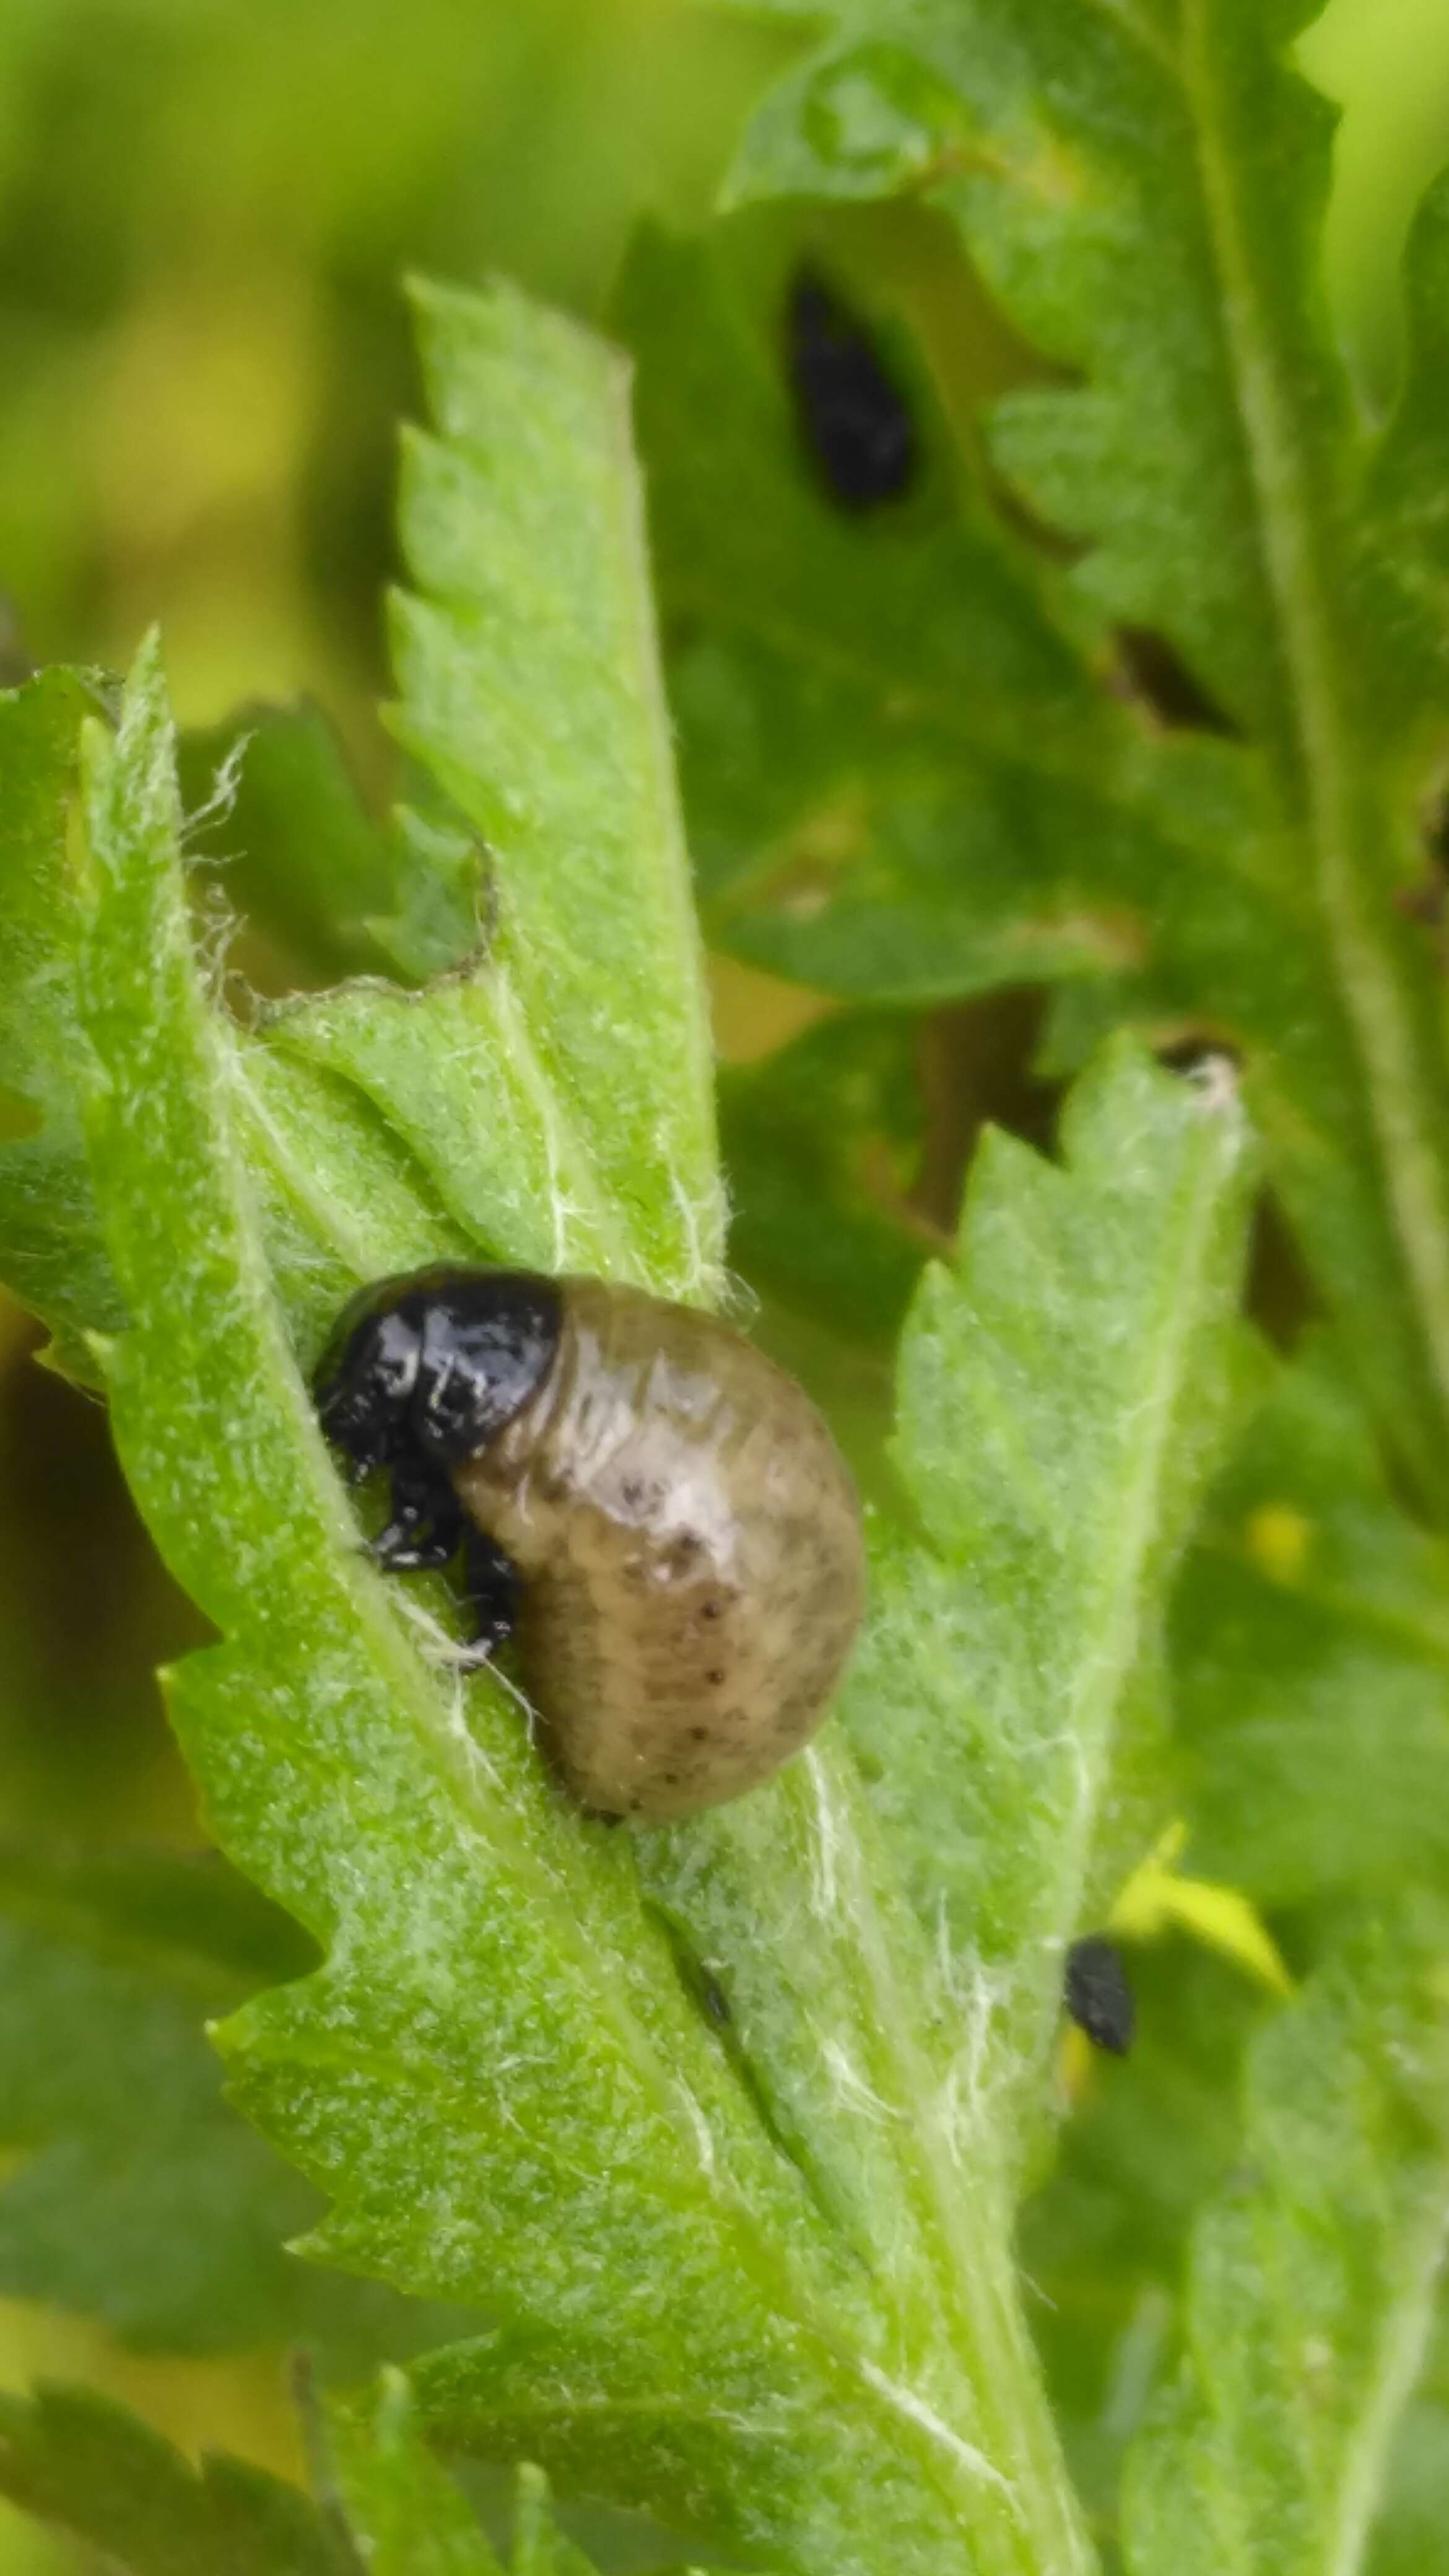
(147, 669)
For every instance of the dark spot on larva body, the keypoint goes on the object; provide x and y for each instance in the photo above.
(556, 1433)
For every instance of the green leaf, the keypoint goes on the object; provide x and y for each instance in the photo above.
(1062, 1402)
(54, 1258)
(1070, 1382)
(1143, 190)
(582, 1022)
(1310, 1643)
(902, 779)
(531, 693)
(519, 1180)
(87, 2466)
(138, 2196)
(499, 2064)
(1073, 1380)
(1310, 2294)
(339, 1196)
(1168, 258)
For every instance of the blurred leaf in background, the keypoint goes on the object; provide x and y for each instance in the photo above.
(204, 213)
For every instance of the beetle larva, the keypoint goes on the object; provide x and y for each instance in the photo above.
(654, 1508)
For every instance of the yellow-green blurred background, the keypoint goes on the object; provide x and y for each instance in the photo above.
(205, 206)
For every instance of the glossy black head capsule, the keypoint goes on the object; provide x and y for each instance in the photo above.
(1098, 1996)
(853, 419)
(433, 1364)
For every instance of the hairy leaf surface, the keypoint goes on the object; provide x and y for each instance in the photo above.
(529, 688)
(1062, 1399)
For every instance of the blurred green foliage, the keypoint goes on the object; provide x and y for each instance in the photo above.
(205, 210)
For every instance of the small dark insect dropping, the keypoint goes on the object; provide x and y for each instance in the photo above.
(684, 1586)
(1098, 1997)
(853, 420)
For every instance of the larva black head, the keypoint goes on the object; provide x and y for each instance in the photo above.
(434, 1363)
(853, 419)
(1098, 1996)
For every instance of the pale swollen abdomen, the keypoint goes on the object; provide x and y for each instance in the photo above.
(690, 1546)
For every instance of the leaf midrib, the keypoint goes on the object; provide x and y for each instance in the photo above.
(969, 2234)
(1399, 1086)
